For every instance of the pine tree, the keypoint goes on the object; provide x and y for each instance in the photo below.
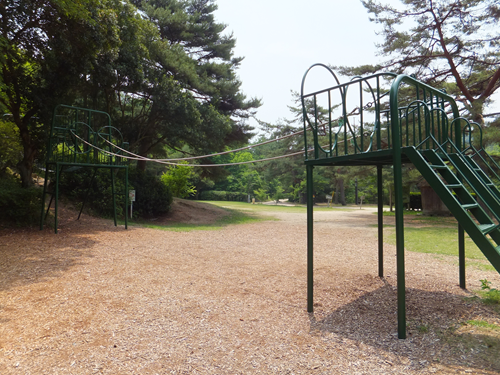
(451, 44)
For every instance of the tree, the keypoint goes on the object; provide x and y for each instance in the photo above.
(45, 49)
(190, 94)
(451, 44)
(177, 178)
(163, 69)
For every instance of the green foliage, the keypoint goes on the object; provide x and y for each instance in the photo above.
(10, 146)
(153, 197)
(297, 192)
(46, 48)
(76, 184)
(214, 195)
(489, 295)
(163, 69)
(261, 195)
(177, 179)
(19, 206)
(276, 190)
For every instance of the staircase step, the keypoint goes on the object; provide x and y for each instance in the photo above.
(487, 228)
(454, 186)
(470, 206)
(438, 166)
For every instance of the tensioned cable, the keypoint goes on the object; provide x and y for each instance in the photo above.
(159, 161)
(203, 156)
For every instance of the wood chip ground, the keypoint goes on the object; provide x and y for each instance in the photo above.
(95, 299)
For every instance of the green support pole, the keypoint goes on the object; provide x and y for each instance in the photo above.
(56, 221)
(310, 238)
(461, 255)
(398, 190)
(380, 222)
(400, 249)
(113, 192)
(126, 197)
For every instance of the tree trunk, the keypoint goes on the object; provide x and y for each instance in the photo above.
(143, 151)
(141, 165)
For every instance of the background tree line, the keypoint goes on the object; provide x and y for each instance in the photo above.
(166, 73)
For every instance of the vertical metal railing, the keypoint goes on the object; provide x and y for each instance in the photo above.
(362, 123)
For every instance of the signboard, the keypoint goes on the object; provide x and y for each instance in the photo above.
(131, 195)
(329, 197)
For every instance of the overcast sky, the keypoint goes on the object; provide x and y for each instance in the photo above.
(281, 39)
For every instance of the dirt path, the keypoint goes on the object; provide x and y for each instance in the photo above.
(96, 299)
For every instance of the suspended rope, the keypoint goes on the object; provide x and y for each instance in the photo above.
(159, 161)
(202, 156)
(165, 162)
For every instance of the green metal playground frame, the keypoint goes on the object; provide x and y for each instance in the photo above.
(82, 138)
(401, 120)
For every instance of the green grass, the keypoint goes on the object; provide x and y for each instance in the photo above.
(439, 236)
(437, 240)
(490, 296)
(482, 324)
(239, 213)
(243, 206)
(235, 217)
(259, 207)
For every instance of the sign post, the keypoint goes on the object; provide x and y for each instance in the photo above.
(329, 199)
(131, 197)
(361, 202)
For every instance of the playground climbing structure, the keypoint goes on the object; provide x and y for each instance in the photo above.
(389, 119)
(82, 138)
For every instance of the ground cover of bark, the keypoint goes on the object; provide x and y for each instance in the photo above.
(95, 299)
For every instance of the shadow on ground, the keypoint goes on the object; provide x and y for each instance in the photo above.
(436, 322)
(30, 256)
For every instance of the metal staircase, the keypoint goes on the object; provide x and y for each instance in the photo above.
(452, 176)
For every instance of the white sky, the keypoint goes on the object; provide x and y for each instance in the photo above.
(281, 39)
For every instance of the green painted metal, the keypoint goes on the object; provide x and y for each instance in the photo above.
(82, 138)
(461, 257)
(380, 217)
(460, 202)
(392, 126)
(310, 240)
(398, 198)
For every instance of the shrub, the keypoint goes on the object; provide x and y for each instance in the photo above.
(75, 184)
(261, 195)
(19, 206)
(153, 197)
(177, 179)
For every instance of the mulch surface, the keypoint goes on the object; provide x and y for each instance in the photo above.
(99, 299)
